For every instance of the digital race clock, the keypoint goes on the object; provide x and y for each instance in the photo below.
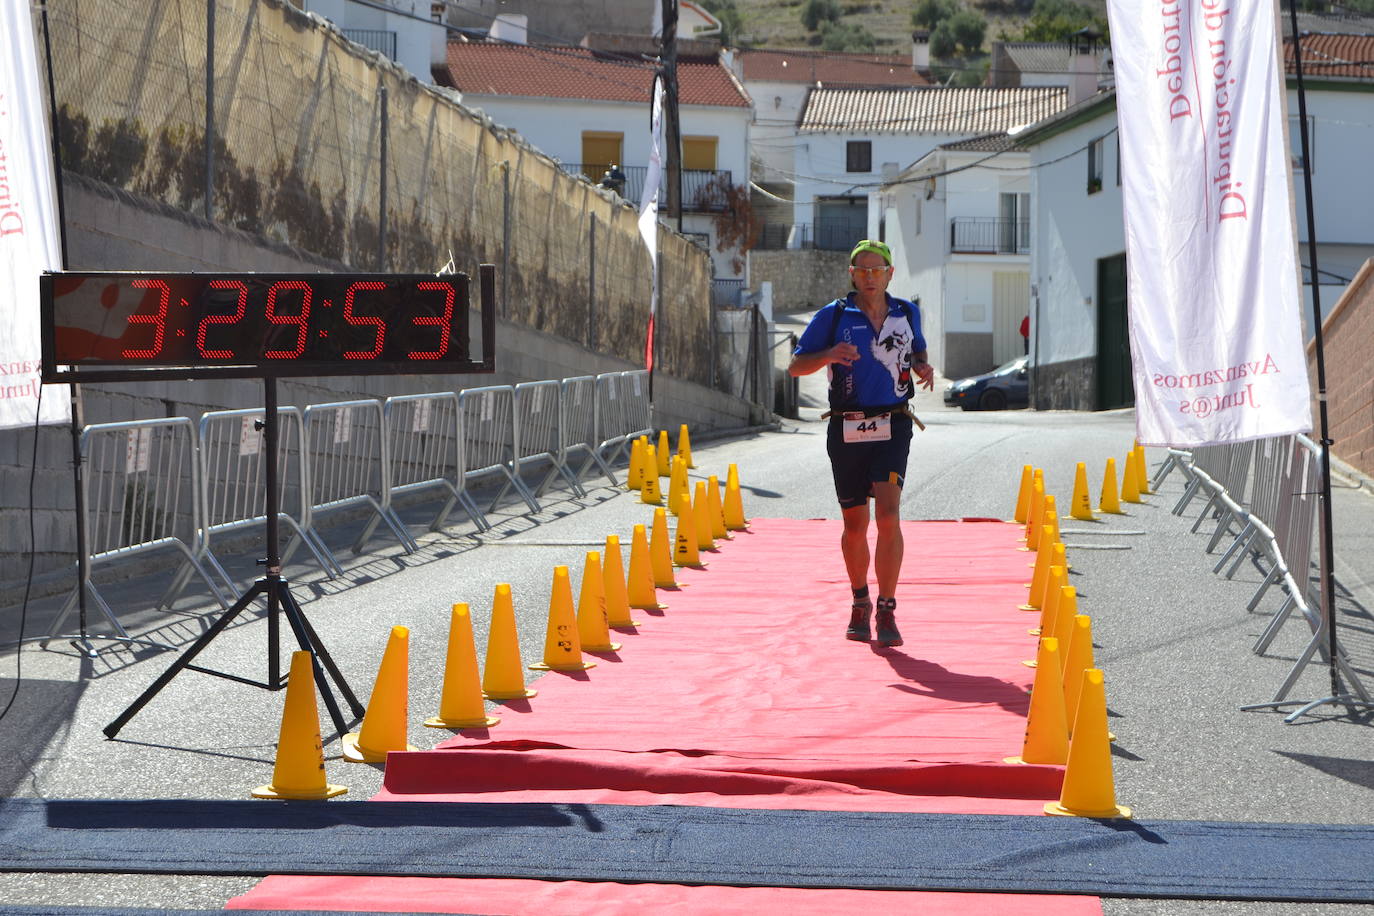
(133, 326)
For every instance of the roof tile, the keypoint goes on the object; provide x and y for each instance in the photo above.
(934, 110)
(803, 66)
(1350, 56)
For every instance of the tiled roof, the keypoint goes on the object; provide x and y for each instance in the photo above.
(988, 143)
(565, 72)
(936, 110)
(1039, 56)
(802, 66)
(1346, 56)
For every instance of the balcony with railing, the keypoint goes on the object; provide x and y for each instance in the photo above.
(822, 234)
(989, 235)
(696, 184)
(378, 40)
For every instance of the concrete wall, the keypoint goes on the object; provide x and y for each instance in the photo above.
(1346, 335)
(802, 280)
(114, 230)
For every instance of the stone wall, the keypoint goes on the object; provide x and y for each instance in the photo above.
(1346, 336)
(1067, 385)
(803, 280)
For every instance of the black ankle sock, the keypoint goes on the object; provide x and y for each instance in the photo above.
(861, 593)
(887, 604)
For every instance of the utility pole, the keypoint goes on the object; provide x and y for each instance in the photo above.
(672, 129)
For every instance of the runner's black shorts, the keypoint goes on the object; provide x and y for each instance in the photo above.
(856, 466)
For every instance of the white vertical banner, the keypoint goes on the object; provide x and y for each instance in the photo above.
(1215, 325)
(648, 209)
(29, 241)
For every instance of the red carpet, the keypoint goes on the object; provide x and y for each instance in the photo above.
(744, 693)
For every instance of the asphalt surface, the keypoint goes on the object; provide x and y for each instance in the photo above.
(1175, 643)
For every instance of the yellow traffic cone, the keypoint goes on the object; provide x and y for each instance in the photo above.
(503, 678)
(634, 476)
(661, 552)
(299, 770)
(562, 647)
(684, 446)
(1054, 581)
(1051, 521)
(701, 518)
(663, 457)
(678, 497)
(1078, 658)
(1082, 500)
(592, 627)
(685, 550)
(1130, 488)
(734, 502)
(1035, 600)
(460, 703)
(649, 492)
(1089, 790)
(1142, 475)
(1109, 503)
(639, 581)
(717, 511)
(1023, 495)
(613, 584)
(1047, 733)
(1035, 517)
(1061, 627)
(384, 723)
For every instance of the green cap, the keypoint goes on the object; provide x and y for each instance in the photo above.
(876, 247)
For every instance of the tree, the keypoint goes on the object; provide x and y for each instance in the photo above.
(814, 12)
(846, 37)
(968, 28)
(943, 44)
(731, 21)
(930, 13)
(1057, 20)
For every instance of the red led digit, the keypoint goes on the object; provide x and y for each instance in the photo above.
(300, 321)
(208, 320)
(159, 320)
(444, 323)
(364, 320)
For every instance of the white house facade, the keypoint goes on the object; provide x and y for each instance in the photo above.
(403, 35)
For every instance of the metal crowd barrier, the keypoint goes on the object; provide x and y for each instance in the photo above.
(538, 435)
(234, 466)
(1267, 491)
(347, 452)
(425, 432)
(489, 438)
(142, 491)
(577, 426)
(636, 404)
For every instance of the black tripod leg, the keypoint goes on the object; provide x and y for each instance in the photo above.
(310, 641)
(181, 663)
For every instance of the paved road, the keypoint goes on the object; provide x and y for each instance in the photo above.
(1174, 644)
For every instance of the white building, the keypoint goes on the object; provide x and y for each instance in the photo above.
(411, 36)
(959, 222)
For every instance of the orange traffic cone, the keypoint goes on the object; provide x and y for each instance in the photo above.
(460, 703)
(1077, 659)
(678, 497)
(1089, 790)
(562, 647)
(1047, 735)
(1130, 488)
(592, 628)
(1061, 627)
(1109, 502)
(613, 583)
(1037, 508)
(299, 770)
(649, 492)
(715, 510)
(504, 677)
(701, 518)
(639, 581)
(1023, 495)
(661, 552)
(1142, 476)
(1049, 612)
(384, 723)
(1082, 500)
(685, 550)
(734, 502)
(663, 458)
(684, 446)
(1036, 599)
(634, 475)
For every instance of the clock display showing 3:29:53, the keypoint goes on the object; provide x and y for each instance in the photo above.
(255, 324)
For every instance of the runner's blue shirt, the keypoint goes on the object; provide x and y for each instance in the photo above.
(882, 375)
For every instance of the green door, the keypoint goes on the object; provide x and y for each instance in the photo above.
(1114, 388)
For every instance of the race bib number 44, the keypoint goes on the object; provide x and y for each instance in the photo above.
(867, 429)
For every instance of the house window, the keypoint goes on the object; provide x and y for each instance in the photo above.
(1013, 227)
(1295, 141)
(600, 150)
(699, 153)
(858, 156)
(1095, 166)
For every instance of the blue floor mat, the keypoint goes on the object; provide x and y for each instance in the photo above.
(692, 845)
